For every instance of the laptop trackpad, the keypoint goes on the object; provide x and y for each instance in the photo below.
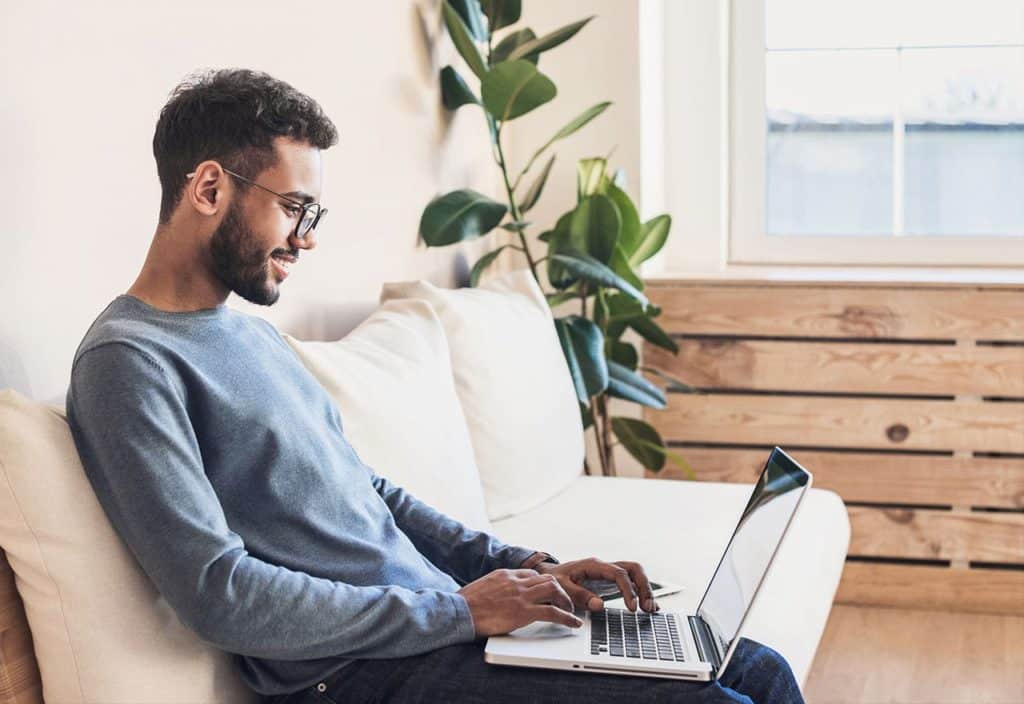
(543, 629)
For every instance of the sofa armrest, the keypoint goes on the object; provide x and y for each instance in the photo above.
(19, 671)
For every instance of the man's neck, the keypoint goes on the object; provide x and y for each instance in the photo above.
(174, 280)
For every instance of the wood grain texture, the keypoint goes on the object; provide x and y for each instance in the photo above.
(928, 587)
(843, 422)
(870, 655)
(866, 311)
(936, 535)
(846, 370)
(19, 672)
(993, 482)
(768, 365)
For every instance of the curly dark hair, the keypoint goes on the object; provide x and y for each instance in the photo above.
(231, 115)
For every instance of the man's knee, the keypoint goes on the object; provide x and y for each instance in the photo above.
(757, 662)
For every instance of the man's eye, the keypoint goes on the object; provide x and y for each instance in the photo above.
(292, 210)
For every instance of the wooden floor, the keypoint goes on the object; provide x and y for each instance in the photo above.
(870, 655)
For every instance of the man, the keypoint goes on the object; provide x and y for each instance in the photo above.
(223, 465)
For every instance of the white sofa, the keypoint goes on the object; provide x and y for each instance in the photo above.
(493, 440)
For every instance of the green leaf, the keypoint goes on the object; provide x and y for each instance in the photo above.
(501, 13)
(507, 45)
(514, 88)
(579, 121)
(469, 11)
(454, 91)
(652, 238)
(583, 266)
(575, 124)
(558, 241)
(622, 353)
(459, 215)
(674, 384)
(621, 309)
(583, 347)
(594, 227)
(641, 440)
(545, 236)
(626, 384)
(620, 265)
(549, 40)
(482, 263)
(533, 193)
(515, 225)
(591, 177)
(462, 39)
(680, 461)
(630, 235)
(652, 332)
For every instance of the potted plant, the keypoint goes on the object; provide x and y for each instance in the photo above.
(593, 251)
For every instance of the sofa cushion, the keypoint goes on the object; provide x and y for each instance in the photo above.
(101, 631)
(513, 384)
(678, 531)
(392, 381)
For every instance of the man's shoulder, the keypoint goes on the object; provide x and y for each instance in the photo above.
(119, 331)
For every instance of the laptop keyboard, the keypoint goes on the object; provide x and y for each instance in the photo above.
(625, 634)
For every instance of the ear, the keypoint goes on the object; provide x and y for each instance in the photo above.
(206, 188)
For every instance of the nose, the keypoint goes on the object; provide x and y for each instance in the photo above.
(307, 241)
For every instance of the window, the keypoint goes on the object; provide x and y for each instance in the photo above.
(887, 132)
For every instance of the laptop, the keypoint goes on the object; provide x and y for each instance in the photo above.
(675, 645)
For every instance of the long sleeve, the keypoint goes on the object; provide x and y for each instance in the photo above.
(462, 552)
(131, 423)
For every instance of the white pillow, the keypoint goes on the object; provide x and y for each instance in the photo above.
(391, 378)
(514, 386)
(101, 631)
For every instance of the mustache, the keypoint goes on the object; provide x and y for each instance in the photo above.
(293, 254)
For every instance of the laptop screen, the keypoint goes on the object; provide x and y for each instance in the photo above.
(752, 546)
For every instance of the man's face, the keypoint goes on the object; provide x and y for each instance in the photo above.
(254, 244)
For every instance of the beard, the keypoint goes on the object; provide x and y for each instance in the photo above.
(240, 263)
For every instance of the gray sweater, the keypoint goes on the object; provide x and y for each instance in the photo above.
(222, 464)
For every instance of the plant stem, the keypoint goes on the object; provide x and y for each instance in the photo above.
(598, 436)
(514, 207)
(606, 429)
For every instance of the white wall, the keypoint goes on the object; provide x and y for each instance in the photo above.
(600, 63)
(83, 84)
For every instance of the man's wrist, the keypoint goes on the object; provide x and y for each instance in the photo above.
(538, 560)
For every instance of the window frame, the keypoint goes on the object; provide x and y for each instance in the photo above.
(738, 102)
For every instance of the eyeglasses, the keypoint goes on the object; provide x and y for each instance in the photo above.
(310, 212)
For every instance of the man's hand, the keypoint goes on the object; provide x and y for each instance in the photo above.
(629, 576)
(505, 600)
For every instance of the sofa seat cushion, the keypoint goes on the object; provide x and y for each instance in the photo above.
(678, 531)
(391, 379)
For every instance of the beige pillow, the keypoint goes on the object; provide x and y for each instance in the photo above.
(514, 386)
(392, 381)
(102, 633)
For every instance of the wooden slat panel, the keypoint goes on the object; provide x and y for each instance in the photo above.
(926, 587)
(864, 311)
(19, 672)
(763, 365)
(936, 535)
(843, 422)
(881, 478)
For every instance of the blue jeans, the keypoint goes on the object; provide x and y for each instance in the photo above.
(756, 674)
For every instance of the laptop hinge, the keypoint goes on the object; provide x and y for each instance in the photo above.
(707, 644)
